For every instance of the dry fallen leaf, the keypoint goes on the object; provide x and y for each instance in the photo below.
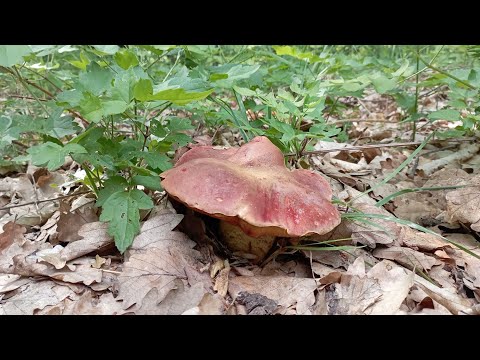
(285, 291)
(21, 189)
(12, 233)
(354, 293)
(93, 304)
(374, 232)
(395, 284)
(94, 237)
(71, 220)
(176, 302)
(407, 257)
(221, 280)
(419, 240)
(157, 259)
(34, 296)
(463, 204)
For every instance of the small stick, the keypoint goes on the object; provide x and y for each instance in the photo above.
(358, 147)
(111, 271)
(362, 120)
(42, 201)
(364, 106)
(374, 146)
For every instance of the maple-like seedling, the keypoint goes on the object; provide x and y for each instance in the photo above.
(252, 192)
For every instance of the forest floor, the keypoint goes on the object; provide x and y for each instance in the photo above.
(57, 258)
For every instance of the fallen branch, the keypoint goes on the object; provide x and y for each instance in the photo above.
(463, 154)
(375, 146)
(45, 200)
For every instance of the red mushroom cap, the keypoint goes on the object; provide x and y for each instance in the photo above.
(250, 186)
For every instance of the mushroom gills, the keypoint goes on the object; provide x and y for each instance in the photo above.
(252, 248)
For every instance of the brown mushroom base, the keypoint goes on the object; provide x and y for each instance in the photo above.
(254, 249)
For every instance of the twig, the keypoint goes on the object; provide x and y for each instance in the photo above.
(375, 146)
(45, 200)
(364, 106)
(111, 271)
(360, 147)
(26, 97)
(20, 144)
(363, 120)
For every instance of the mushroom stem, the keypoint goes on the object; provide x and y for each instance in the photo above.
(253, 248)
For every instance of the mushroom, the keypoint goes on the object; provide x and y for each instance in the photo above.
(254, 195)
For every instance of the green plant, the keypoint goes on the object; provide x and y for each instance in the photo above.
(122, 112)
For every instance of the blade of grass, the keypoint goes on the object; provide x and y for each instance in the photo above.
(325, 248)
(406, 191)
(397, 170)
(227, 108)
(409, 224)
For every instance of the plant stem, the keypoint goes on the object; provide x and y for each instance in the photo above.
(415, 106)
(24, 83)
(90, 178)
(467, 84)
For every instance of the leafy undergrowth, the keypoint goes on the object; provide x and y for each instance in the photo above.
(111, 243)
(69, 265)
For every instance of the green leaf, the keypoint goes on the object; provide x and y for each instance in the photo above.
(143, 90)
(352, 86)
(53, 155)
(107, 49)
(178, 138)
(180, 96)
(96, 80)
(112, 107)
(13, 54)
(70, 97)
(215, 77)
(112, 185)
(150, 182)
(446, 114)
(234, 73)
(121, 210)
(59, 126)
(82, 63)
(383, 84)
(181, 89)
(402, 68)
(291, 51)
(8, 133)
(126, 59)
(156, 161)
(91, 107)
(244, 91)
(177, 124)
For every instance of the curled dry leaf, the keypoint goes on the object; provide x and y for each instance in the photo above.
(418, 240)
(93, 304)
(285, 291)
(21, 189)
(11, 233)
(407, 257)
(395, 284)
(371, 232)
(158, 259)
(34, 296)
(452, 301)
(463, 205)
(76, 271)
(176, 302)
(94, 237)
(71, 219)
(380, 291)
